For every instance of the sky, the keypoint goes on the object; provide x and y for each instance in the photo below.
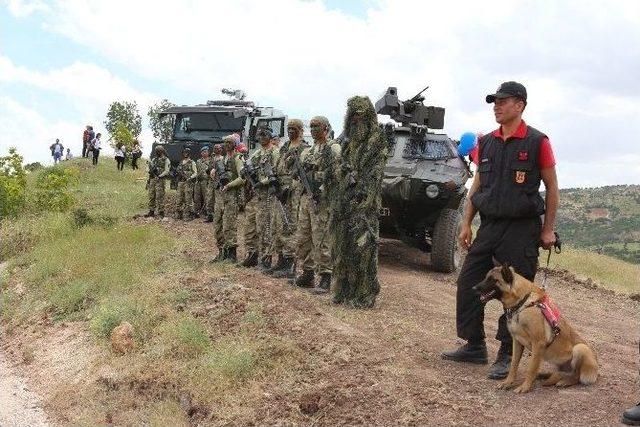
(63, 62)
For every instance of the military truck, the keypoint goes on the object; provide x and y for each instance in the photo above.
(423, 188)
(206, 124)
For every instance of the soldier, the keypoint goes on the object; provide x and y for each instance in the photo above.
(203, 191)
(319, 169)
(232, 167)
(159, 168)
(284, 238)
(219, 178)
(187, 174)
(257, 210)
(356, 204)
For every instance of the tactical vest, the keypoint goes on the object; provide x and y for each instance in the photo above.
(230, 166)
(509, 177)
(317, 162)
(202, 165)
(185, 170)
(159, 164)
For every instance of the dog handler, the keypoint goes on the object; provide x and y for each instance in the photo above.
(511, 162)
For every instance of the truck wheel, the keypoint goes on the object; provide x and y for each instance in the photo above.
(445, 255)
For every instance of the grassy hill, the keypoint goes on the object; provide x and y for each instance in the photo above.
(604, 220)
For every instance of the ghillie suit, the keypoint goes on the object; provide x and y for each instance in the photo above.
(356, 204)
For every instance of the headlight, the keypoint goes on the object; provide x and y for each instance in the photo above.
(432, 191)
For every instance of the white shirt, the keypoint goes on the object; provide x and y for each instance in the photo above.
(96, 143)
(120, 151)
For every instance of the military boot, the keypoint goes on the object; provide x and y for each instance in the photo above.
(251, 260)
(209, 218)
(324, 285)
(475, 352)
(286, 271)
(150, 214)
(306, 279)
(222, 255)
(265, 263)
(277, 266)
(231, 254)
(631, 416)
(500, 367)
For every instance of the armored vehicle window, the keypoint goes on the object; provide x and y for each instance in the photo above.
(430, 149)
(206, 126)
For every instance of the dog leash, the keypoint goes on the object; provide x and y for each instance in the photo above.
(557, 248)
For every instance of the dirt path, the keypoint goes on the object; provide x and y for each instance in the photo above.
(385, 365)
(18, 405)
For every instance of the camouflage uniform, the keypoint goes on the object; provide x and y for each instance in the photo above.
(187, 174)
(257, 210)
(284, 238)
(203, 191)
(218, 206)
(356, 204)
(233, 166)
(156, 185)
(313, 240)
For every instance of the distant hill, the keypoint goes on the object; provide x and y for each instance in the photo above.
(604, 220)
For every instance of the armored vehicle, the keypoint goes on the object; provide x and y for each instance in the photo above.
(424, 180)
(207, 124)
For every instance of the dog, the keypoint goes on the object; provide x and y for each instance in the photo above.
(536, 324)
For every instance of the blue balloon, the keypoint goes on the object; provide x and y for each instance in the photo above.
(468, 141)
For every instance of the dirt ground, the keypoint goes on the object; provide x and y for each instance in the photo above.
(382, 366)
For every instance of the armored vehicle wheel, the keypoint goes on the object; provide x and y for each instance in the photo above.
(445, 255)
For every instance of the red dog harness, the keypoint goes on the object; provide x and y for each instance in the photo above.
(549, 310)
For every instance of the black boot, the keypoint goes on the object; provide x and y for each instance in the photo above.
(324, 285)
(631, 416)
(161, 214)
(251, 260)
(150, 214)
(306, 279)
(209, 218)
(277, 266)
(222, 255)
(265, 263)
(470, 352)
(500, 367)
(286, 269)
(231, 254)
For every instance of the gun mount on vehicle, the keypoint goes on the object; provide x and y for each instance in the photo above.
(424, 183)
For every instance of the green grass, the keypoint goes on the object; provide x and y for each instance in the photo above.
(607, 271)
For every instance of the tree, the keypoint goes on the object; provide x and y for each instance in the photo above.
(13, 182)
(162, 128)
(126, 113)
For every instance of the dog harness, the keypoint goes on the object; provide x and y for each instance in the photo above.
(549, 310)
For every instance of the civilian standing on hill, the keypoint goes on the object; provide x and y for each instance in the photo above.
(136, 153)
(96, 146)
(86, 140)
(57, 150)
(120, 153)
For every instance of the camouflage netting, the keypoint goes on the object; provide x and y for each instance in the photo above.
(356, 203)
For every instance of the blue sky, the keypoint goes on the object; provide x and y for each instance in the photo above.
(62, 62)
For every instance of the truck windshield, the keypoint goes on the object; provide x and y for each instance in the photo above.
(206, 126)
(429, 149)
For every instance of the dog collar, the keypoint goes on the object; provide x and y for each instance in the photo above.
(510, 312)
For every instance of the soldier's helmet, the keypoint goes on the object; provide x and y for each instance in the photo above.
(264, 132)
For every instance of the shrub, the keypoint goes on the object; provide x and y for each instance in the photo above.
(12, 184)
(51, 192)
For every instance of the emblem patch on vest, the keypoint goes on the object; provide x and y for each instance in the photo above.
(520, 177)
(523, 155)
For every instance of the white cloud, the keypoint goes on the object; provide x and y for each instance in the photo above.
(306, 59)
(22, 8)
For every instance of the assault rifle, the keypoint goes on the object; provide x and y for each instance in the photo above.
(306, 184)
(222, 175)
(281, 197)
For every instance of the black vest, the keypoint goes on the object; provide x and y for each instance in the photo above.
(509, 177)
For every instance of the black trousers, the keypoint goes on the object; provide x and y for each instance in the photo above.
(134, 161)
(120, 163)
(84, 149)
(96, 153)
(514, 241)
